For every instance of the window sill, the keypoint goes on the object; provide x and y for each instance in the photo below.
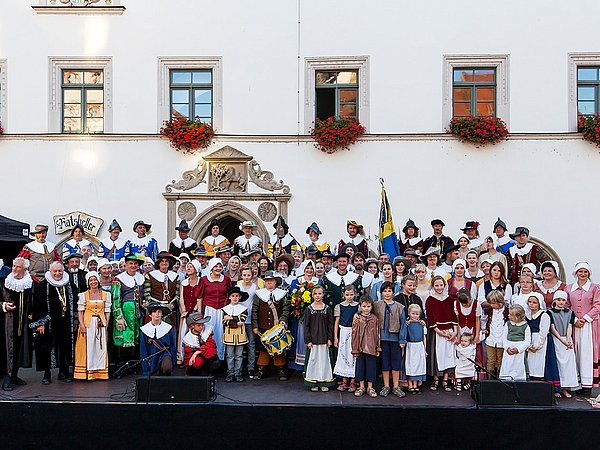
(79, 10)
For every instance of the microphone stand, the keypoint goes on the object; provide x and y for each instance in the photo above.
(479, 368)
(136, 362)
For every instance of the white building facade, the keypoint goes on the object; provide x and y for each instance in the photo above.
(85, 89)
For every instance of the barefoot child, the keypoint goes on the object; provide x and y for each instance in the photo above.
(365, 346)
(342, 339)
(318, 336)
(416, 343)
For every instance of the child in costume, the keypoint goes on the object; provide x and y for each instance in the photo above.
(234, 333)
(344, 314)
(561, 327)
(365, 347)
(199, 347)
(318, 336)
(516, 341)
(416, 343)
(465, 368)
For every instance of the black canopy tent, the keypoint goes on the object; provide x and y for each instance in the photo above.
(13, 236)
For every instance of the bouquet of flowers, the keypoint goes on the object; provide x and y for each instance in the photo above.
(187, 135)
(478, 130)
(301, 298)
(333, 134)
(589, 126)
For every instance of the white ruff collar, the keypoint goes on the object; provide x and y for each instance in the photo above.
(160, 330)
(357, 240)
(53, 282)
(214, 241)
(219, 280)
(187, 243)
(18, 285)
(131, 281)
(38, 247)
(192, 341)
(119, 243)
(139, 241)
(515, 250)
(504, 240)
(264, 294)
(336, 278)
(234, 310)
(160, 277)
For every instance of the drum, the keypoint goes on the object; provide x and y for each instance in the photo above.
(276, 340)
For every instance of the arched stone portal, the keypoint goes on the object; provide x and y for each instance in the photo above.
(227, 174)
(224, 211)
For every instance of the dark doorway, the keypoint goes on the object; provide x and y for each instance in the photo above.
(230, 228)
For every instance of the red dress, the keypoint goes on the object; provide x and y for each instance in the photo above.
(191, 295)
(214, 293)
(453, 291)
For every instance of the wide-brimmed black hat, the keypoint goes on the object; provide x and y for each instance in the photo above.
(437, 222)
(401, 259)
(154, 305)
(519, 231)
(251, 252)
(183, 226)
(236, 290)
(500, 223)
(342, 255)
(449, 249)
(410, 224)
(224, 249)
(281, 222)
(347, 246)
(411, 252)
(168, 256)
(141, 222)
(470, 225)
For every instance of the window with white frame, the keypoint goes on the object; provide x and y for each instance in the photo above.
(584, 86)
(336, 86)
(475, 85)
(190, 87)
(80, 95)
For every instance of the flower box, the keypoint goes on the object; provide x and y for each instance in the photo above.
(589, 127)
(478, 130)
(186, 135)
(333, 134)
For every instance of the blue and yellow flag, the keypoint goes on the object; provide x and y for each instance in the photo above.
(388, 242)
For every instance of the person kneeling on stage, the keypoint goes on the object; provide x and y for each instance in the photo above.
(158, 337)
(199, 347)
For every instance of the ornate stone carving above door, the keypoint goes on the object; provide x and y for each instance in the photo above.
(226, 173)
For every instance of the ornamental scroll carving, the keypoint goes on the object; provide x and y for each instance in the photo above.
(189, 179)
(264, 178)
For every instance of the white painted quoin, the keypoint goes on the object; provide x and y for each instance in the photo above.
(544, 176)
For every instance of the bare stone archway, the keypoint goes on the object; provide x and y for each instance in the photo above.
(221, 210)
(547, 253)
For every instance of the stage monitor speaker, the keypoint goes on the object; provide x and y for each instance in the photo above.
(175, 389)
(518, 393)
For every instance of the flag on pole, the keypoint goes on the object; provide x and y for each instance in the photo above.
(388, 242)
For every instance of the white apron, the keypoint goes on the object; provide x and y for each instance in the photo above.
(216, 323)
(567, 367)
(536, 361)
(300, 346)
(464, 367)
(444, 354)
(95, 339)
(318, 367)
(344, 365)
(584, 354)
(513, 366)
(415, 359)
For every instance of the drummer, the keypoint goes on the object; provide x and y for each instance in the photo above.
(270, 309)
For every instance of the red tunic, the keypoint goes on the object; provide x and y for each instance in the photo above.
(469, 320)
(190, 296)
(440, 313)
(208, 350)
(214, 293)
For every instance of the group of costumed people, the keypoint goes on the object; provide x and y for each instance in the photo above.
(441, 311)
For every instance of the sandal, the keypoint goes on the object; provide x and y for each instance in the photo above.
(446, 385)
(372, 392)
(458, 385)
(467, 386)
(434, 385)
(314, 389)
(352, 387)
(360, 392)
(342, 387)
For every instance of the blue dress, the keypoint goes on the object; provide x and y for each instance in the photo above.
(415, 351)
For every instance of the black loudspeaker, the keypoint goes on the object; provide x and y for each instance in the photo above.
(175, 389)
(518, 393)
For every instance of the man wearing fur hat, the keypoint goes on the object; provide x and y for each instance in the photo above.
(183, 243)
(142, 243)
(282, 242)
(269, 309)
(198, 344)
(214, 240)
(356, 236)
(114, 247)
(40, 253)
